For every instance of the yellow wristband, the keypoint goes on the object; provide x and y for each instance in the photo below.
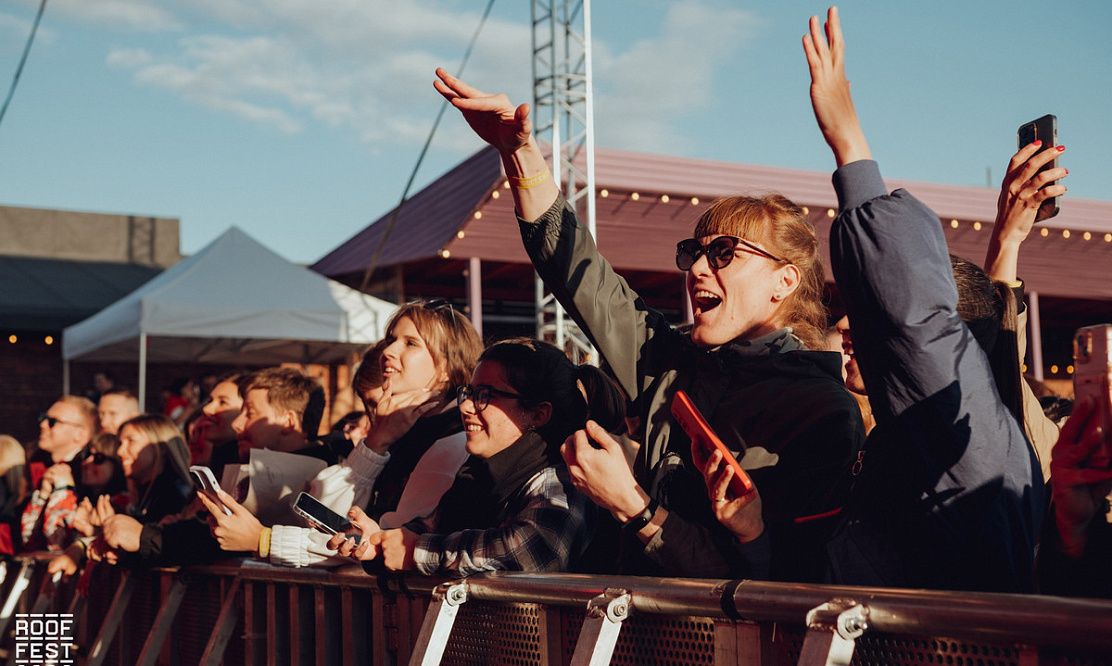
(531, 182)
(264, 542)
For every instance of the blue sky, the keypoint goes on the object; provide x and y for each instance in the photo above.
(299, 121)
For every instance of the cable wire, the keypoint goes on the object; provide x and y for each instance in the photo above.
(22, 60)
(421, 158)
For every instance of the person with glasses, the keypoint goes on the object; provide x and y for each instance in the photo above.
(64, 433)
(513, 505)
(755, 280)
(950, 495)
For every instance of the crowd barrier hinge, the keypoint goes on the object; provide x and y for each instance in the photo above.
(603, 622)
(437, 627)
(832, 629)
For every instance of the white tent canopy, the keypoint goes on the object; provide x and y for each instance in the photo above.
(234, 302)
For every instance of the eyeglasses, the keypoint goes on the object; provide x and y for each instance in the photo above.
(720, 252)
(442, 307)
(52, 421)
(480, 396)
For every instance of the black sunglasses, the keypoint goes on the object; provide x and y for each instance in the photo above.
(720, 252)
(52, 421)
(480, 396)
(96, 458)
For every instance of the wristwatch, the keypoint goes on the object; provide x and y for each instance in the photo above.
(638, 522)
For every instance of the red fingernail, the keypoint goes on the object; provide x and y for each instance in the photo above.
(1060, 148)
(1067, 172)
(1036, 142)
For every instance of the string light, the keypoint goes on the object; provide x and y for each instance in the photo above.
(1108, 238)
(444, 254)
(976, 226)
(478, 215)
(12, 339)
(1045, 232)
(1087, 236)
(1069, 369)
(953, 224)
(49, 339)
(459, 234)
(1065, 233)
(604, 193)
(1053, 369)
(694, 201)
(830, 213)
(505, 184)
(664, 198)
(635, 196)
(495, 194)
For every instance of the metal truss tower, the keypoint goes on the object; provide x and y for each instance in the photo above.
(563, 116)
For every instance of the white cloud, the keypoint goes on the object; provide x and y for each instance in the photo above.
(367, 65)
(141, 15)
(643, 95)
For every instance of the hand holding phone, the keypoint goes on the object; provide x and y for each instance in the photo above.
(704, 440)
(321, 517)
(205, 482)
(1092, 376)
(1043, 129)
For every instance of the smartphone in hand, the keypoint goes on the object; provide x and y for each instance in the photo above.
(1092, 375)
(205, 482)
(1043, 129)
(704, 440)
(320, 516)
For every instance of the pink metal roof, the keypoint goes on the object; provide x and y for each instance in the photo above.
(641, 234)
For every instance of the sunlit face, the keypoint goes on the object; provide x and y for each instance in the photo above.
(502, 422)
(220, 411)
(854, 382)
(138, 454)
(737, 301)
(258, 425)
(68, 433)
(114, 409)
(407, 363)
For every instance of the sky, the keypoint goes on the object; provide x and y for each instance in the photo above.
(300, 121)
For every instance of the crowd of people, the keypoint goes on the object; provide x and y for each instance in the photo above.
(912, 455)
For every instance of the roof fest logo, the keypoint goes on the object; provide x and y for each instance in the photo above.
(44, 638)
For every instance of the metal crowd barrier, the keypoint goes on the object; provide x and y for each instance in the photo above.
(244, 612)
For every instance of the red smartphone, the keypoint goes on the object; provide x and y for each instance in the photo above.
(704, 441)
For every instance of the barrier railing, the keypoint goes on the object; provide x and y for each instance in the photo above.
(244, 612)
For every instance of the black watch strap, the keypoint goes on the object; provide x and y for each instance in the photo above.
(638, 522)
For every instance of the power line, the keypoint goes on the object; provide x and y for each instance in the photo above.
(22, 60)
(421, 158)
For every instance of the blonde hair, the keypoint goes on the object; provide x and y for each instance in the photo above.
(782, 228)
(169, 446)
(88, 411)
(451, 339)
(13, 458)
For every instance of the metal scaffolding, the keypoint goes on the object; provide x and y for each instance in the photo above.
(564, 120)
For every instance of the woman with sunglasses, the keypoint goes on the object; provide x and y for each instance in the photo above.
(754, 278)
(512, 506)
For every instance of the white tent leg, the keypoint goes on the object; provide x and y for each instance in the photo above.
(142, 373)
(65, 376)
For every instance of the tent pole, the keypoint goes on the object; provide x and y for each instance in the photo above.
(142, 373)
(65, 376)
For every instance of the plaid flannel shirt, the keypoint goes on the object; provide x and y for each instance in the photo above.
(545, 528)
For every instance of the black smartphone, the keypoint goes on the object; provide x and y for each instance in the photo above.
(1043, 129)
(320, 516)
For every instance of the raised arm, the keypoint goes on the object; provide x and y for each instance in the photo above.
(1023, 191)
(509, 129)
(830, 95)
